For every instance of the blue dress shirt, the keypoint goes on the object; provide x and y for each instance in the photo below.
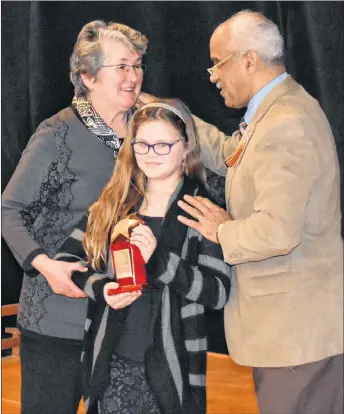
(260, 95)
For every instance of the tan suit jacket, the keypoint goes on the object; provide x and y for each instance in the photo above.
(286, 304)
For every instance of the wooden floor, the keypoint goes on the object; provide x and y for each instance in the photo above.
(230, 387)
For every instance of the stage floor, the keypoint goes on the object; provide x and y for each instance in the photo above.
(230, 387)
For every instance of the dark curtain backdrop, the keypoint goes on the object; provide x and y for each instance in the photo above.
(38, 37)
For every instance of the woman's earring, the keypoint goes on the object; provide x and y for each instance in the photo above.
(182, 166)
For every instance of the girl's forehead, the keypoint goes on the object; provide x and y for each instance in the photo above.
(156, 126)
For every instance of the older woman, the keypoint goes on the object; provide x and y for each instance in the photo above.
(62, 171)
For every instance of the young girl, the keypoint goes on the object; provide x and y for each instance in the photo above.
(146, 352)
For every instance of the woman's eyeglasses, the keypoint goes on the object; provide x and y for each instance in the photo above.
(139, 68)
(160, 148)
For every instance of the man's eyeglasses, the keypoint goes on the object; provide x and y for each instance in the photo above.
(160, 148)
(213, 69)
(139, 68)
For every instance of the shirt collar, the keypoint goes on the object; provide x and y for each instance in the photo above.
(260, 95)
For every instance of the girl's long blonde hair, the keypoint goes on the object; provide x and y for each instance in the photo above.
(126, 188)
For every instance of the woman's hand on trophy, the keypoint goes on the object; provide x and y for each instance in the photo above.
(121, 300)
(144, 239)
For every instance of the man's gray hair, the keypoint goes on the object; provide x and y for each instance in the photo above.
(252, 31)
(88, 56)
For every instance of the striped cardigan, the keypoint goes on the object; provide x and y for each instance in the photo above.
(191, 274)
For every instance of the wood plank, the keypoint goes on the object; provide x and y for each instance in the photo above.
(9, 406)
(10, 385)
(8, 310)
(8, 343)
(230, 388)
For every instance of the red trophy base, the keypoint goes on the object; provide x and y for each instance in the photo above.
(124, 289)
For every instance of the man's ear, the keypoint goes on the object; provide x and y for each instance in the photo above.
(88, 80)
(252, 61)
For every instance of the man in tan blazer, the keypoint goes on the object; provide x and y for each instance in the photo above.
(282, 232)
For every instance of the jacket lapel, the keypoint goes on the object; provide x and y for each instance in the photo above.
(284, 87)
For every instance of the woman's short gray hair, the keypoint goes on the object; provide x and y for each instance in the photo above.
(88, 56)
(252, 31)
